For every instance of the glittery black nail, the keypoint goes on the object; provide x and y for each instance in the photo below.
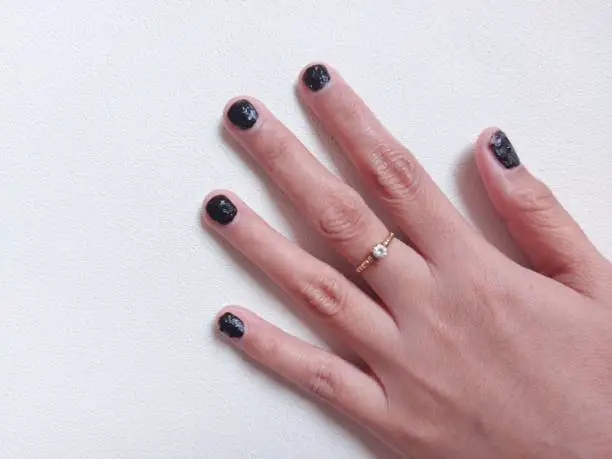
(221, 209)
(243, 114)
(231, 325)
(503, 150)
(316, 77)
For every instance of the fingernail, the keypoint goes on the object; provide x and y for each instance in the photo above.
(503, 150)
(221, 209)
(316, 77)
(242, 114)
(231, 325)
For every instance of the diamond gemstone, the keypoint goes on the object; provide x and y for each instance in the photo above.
(379, 251)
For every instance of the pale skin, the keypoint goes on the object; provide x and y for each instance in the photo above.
(467, 354)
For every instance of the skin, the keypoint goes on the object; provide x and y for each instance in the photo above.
(470, 355)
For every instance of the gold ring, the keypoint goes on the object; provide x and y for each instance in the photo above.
(379, 251)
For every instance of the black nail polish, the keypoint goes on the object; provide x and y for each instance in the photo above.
(316, 77)
(221, 209)
(243, 114)
(231, 325)
(503, 150)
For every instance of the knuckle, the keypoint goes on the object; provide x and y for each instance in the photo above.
(268, 349)
(281, 148)
(394, 172)
(325, 381)
(343, 216)
(536, 198)
(353, 111)
(324, 295)
(349, 107)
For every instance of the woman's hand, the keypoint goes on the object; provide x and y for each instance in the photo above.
(470, 355)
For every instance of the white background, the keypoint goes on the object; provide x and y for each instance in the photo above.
(109, 139)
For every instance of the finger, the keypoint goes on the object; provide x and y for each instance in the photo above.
(335, 302)
(325, 375)
(331, 206)
(389, 170)
(549, 236)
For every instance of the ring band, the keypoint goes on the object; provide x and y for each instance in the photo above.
(379, 251)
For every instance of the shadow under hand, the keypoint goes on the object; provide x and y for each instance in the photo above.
(479, 209)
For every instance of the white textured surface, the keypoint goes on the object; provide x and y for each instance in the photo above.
(109, 139)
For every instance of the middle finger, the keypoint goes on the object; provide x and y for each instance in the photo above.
(333, 208)
(388, 169)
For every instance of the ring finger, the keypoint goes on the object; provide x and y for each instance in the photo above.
(333, 208)
(334, 301)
